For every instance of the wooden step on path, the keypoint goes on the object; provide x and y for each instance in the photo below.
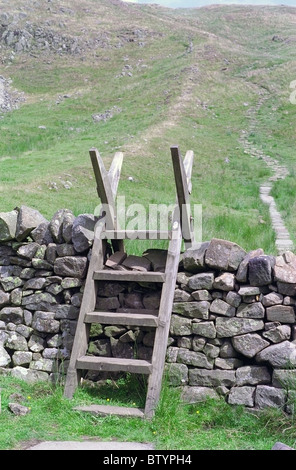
(107, 410)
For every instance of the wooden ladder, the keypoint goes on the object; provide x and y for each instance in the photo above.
(107, 229)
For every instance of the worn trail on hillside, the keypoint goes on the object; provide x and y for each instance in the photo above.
(283, 240)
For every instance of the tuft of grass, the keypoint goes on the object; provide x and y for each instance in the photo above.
(210, 425)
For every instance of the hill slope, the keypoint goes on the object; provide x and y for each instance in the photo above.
(139, 78)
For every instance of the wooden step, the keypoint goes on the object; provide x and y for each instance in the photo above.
(136, 235)
(136, 276)
(114, 364)
(109, 410)
(112, 318)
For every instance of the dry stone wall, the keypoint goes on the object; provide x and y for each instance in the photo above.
(232, 332)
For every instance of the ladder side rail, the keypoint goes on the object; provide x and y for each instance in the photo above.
(88, 304)
(181, 178)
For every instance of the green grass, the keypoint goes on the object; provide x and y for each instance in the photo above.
(211, 425)
(195, 100)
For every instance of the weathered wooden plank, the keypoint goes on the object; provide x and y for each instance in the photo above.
(117, 318)
(136, 276)
(114, 172)
(182, 193)
(114, 364)
(103, 188)
(88, 304)
(161, 336)
(108, 410)
(136, 235)
(188, 164)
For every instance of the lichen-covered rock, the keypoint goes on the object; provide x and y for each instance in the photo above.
(229, 327)
(8, 221)
(45, 322)
(244, 395)
(198, 394)
(249, 344)
(224, 255)
(281, 355)
(83, 232)
(71, 266)
(28, 219)
(194, 257)
(192, 309)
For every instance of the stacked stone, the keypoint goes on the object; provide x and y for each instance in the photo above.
(141, 297)
(233, 325)
(42, 269)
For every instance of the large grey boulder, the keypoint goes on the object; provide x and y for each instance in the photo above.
(201, 281)
(177, 374)
(71, 266)
(281, 313)
(281, 355)
(83, 232)
(8, 222)
(12, 314)
(267, 396)
(224, 255)
(193, 358)
(28, 219)
(206, 329)
(242, 272)
(180, 326)
(253, 310)
(194, 258)
(28, 375)
(211, 378)
(56, 224)
(285, 268)
(260, 270)
(45, 322)
(192, 309)
(252, 375)
(250, 344)
(222, 308)
(5, 358)
(198, 394)
(242, 396)
(229, 327)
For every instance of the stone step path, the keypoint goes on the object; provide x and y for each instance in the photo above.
(283, 240)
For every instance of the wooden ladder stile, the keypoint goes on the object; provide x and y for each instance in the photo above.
(107, 229)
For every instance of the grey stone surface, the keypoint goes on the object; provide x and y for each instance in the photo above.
(267, 396)
(198, 394)
(253, 310)
(194, 258)
(192, 309)
(8, 222)
(211, 378)
(244, 395)
(229, 327)
(260, 270)
(28, 219)
(222, 308)
(201, 281)
(253, 375)
(224, 255)
(249, 344)
(281, 355)
(281, 313)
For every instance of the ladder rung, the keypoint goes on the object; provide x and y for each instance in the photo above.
(114, 364)
(110, 318)
(136, 235)
(107, 410)
(137, 276)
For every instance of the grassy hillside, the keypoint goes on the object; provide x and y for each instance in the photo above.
(167, 77)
